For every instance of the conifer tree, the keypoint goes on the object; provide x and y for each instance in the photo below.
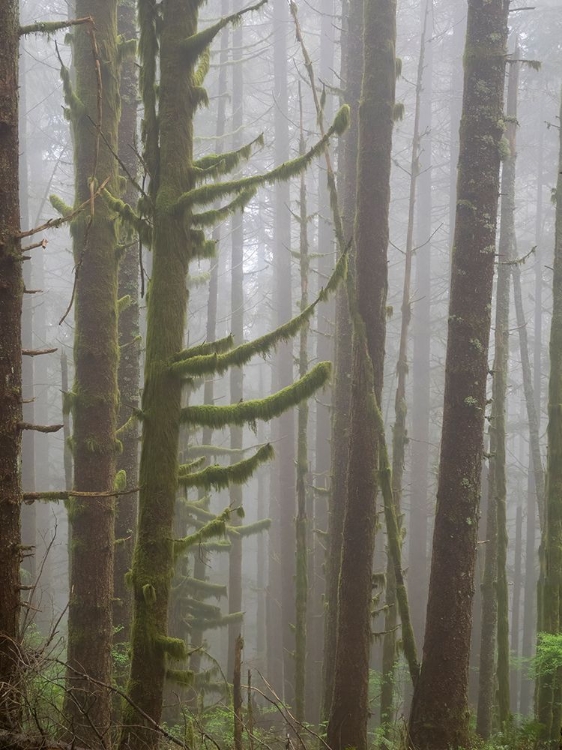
(439, 717)
(11, 296)
(347, 724)
(93, 110)
(172, 222)
(549, 689)
(129, 335)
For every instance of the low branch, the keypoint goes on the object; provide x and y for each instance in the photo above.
(31, 497)
(49, 27)
(44, 242)
(55, 223)
(37, 352)
(40, 427)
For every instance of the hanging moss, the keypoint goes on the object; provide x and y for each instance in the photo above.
(209, 193)
(197, 44)
(211, 218)
(215, 165)
(183, 677)
(220, 477)
(248, 412)
(187, 364)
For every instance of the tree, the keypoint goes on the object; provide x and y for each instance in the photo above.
(179, 185)
(11, 297)
(347, 723)
(439, 717)
(93, 110)
(549, 692)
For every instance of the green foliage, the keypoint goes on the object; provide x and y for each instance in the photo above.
(548, 658)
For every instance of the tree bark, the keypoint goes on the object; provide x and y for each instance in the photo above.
(11, 298)
(439, 717)
(347, 724)
(94, 396)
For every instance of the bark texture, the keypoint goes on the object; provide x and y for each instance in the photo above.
(348, 716)
(439, 717)
(94, 396)
(11, 296)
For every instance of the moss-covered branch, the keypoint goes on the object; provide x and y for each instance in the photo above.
(264, 409)
(190, 365)
(213, 528)
(130, 218)
(208, 193)
(214, 216)
(214, 165)
(221, 477)
(49, 27)
(198, 43)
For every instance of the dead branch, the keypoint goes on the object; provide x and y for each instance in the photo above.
(37, 352)
(48, 27)
(40, 427)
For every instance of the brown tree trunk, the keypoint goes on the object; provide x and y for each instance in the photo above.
(352, 65)
(94, 396)
(347, 723)
(439, 717)
(11, 296)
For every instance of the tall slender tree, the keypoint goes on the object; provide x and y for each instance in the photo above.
(93, 109)
(11, 296)
(179, 184)
(439, 717)
(549, 692)
(347, 724)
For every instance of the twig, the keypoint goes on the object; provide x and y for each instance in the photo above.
(37, 352)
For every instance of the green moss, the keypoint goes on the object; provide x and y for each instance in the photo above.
(248, 412)
(221, 477)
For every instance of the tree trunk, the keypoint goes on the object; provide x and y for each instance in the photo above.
(347, 724)
(237, 330)
(549, 694)
(129, 345)
(499, 390)
(94, 397)
(439, 717)
(352, 53)
(399, 433)
(11, 297)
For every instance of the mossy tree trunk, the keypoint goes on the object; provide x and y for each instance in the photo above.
(352, 66)
(302, 520)
(237, 330)
(129, 346)
(549, 693)
(324, 351)
(439, 717)
(94, 397)
(285, 429)
(200, 563)
(11, 298)
(348, 716)
(170, 161)
(400, 434)
(172, 44)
